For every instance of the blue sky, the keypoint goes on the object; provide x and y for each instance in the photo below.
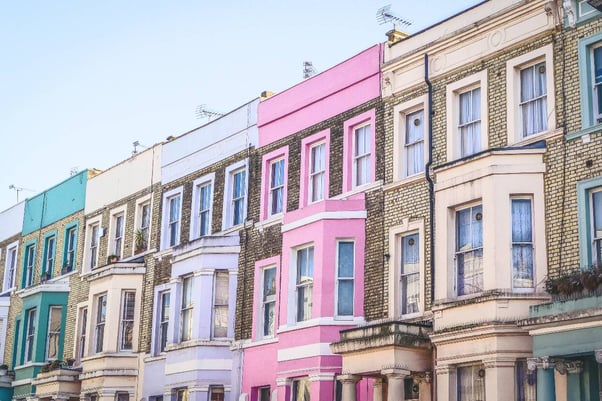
(80, 81)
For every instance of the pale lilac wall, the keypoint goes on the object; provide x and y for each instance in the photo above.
(342, 87)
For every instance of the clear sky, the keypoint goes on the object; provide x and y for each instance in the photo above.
(80, 81)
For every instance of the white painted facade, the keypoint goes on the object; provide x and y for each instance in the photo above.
(11, 221)
(210, 143)
(134, 174)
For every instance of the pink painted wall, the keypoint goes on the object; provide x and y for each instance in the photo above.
(325, 95)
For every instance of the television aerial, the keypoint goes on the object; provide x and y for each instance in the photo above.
(203, 112)
(19, 189)
(308, 69)
(384, 16)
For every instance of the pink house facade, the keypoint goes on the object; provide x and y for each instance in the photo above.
(318, 167)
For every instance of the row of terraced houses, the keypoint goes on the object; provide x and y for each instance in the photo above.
(422, 221)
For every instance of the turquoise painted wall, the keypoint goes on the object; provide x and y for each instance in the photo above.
(42, 301)
(55, 203)
(568, 342)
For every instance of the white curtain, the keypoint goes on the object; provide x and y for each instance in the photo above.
(410, 274)
(533, 99)
(522, 244)
(414, 142)
(470, 122)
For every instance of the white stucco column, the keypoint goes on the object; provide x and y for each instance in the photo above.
(446, 383)
(395, 383)
(377, 390)
(349, 386)
(499, 380)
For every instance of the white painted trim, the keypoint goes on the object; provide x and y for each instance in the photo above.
(198, 364)
(304, 351)
(263, 341)
(559, 328)
(324, 216)
(322, 321)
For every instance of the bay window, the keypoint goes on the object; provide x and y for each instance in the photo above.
(220, 304)
(469, 250)
(186, 309)
(410, 274)
(101, 317)
(345, 275)
(304, 282)
(268, 301)
(54, 332)
(522, 243)
(126, 324)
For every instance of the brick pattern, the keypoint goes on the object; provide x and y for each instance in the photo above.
(258, 244)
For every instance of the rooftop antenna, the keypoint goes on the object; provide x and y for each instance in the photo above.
(136, 144)
(203, 112)
(384, 16)
(308, 69)
(73, 171)
(19, 189)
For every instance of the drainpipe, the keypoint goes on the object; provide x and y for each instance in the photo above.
(428, 175)
(431, 210)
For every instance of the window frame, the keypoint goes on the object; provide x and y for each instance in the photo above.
(216, 389)
(29, 262)
(303, 285)
(267, 300)
(459, 371)
(49, 256)
(585, 213)
(30, 335)
(522, 243)
(400, 115)
(453, 93)
(339, 279)
(82, 323)
(586, 61)
(349, 149)
(186, 310)
(70, 248)
(295, 383)
(56, 333)
(163, 314)
(267, 162)
(228, 217)
(473, 249)
(92, 242)
(166, 240)
(306, 188)
(140, 223)
(513, 84)
(224, 305)
(10, 269)
(196, 226)
(396, 235)
(125, 320)
(117, 231)
(100, 322)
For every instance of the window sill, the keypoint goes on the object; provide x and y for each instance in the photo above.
(270, 221)
(584, 131)
(399, 183)
(324, 321)
(154, 358)
(541, 136)
(263, 341)
(363, 188)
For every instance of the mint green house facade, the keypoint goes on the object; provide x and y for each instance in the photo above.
(50, 239)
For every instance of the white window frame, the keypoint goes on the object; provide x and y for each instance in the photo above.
(165, 226)
(452, 100)
(220, 306)
(517, 243)
(400, 113)
(117, 237)
(82, 323)
(10, 266)
(339, 279)
(216, 390)
(304, 285)
(473, 249)
(186, 310)
(318, 174)
(265, 300)
(196, 212)
(70, 248)
(276, 189)
(228, 207)
(513, 85)
(52, 333)
(91, 250)
(595, 241)
(100, 321)
(30, 335)
(163, 319)
(29, 263)
(126, 320)
(396, 235)
(139, 223)
(364, 157)
(49, 253)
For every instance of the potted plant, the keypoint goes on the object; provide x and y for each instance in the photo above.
(45, 276)
(112, 259)
(140, 240)
(70, 362)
